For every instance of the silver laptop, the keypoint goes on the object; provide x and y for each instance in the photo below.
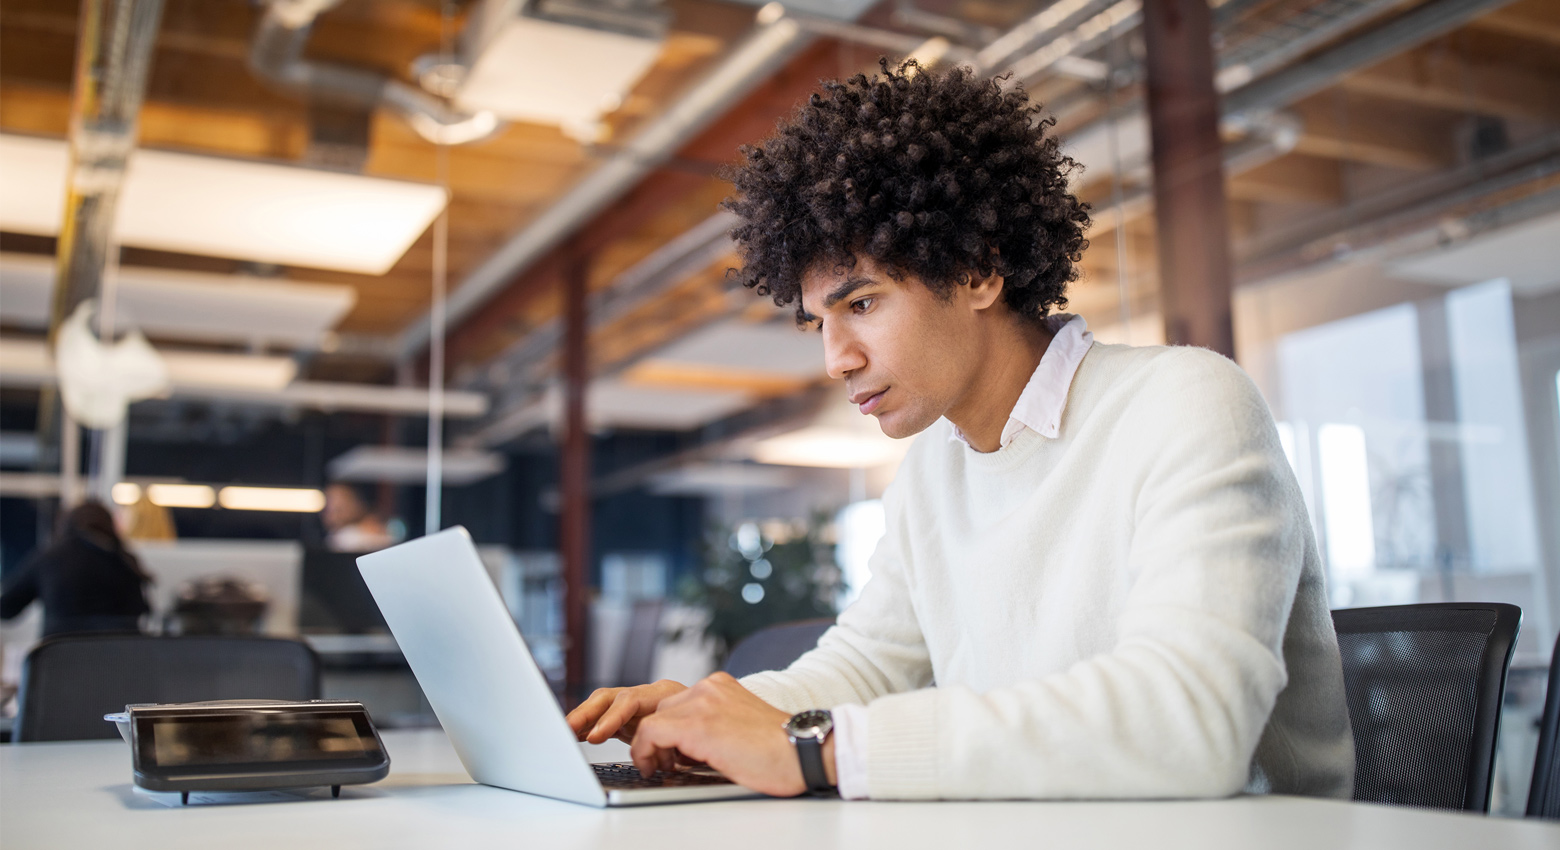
(485, 687)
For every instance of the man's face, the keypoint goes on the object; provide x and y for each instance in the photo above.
(342, 507)
(907, 355)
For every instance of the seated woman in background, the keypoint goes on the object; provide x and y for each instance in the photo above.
(87, 580)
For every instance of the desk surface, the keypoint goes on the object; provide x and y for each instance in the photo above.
(76, 795)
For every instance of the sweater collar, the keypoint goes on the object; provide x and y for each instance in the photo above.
(1040, 405)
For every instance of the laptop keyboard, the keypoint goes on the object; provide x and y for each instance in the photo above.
(624, 775)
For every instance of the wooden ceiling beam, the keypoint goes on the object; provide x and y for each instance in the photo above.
(1535, 20)
(1447, 81)
(1295, 178)
(1337, 125)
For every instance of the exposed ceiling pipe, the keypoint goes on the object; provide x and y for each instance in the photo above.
(276, 56)
(776, 39)
(1248, 105)
(1276, 136)
(1418, 25)
(113, 55)
(1054, 21)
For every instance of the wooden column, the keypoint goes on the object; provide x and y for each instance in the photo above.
(1189, 205)
(574, 475)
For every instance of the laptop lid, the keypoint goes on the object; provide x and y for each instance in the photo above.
(475, 669)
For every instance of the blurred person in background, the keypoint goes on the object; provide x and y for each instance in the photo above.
(87, 580)
(349, 524)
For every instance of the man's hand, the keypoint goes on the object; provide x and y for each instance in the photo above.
(722, 724)
(616, 712)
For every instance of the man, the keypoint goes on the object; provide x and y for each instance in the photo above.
(349, 524)
(1098, 579)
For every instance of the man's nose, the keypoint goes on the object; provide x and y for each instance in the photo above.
(842, 354)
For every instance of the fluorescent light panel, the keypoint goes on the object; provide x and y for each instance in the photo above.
(406, 465)
(126, 493)
(247, 210)
(27, 362)
(181, 495)
(550, 73)
(188, 305)
(293, 500)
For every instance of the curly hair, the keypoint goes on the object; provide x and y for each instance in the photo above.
(943, 175)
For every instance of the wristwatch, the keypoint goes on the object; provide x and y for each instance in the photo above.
(807, 731)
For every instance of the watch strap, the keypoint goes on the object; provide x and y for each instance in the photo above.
(810, 752)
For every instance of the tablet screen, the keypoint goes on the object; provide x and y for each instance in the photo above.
(253, 738)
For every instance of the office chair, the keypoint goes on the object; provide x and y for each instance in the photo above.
(1424, 685)
(70, 682)
(1544, 793)
(641, 641)
(775, 647)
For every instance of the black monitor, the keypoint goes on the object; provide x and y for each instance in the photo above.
(334, 598)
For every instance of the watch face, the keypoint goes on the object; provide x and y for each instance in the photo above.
(810, 724)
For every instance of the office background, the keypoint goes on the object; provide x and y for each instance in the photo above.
(475, 273)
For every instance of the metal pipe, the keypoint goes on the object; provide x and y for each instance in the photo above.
(1416, 26)
(776, 40)
(1055, 19)
(276, 56)
(113, 55)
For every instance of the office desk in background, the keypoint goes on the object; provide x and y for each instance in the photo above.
(78, 796)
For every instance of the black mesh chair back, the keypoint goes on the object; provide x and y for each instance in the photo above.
(1424, 686)
(775, 647)
(69, 683)
(1544, 793)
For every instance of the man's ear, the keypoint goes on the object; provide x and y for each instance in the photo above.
(985, 291)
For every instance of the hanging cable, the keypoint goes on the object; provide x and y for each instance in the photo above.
(1117, 196)
(437, 313)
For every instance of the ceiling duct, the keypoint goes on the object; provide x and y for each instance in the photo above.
(276, 56)
(558, 62)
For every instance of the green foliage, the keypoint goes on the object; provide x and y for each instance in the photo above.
(756, 577)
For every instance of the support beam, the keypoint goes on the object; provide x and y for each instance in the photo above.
(1535, 20)
(574, 472)
(1454, 83)
(1188, 155)
(1296, 178)
(1347, 127)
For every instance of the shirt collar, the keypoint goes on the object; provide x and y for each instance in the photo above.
(1040, 405)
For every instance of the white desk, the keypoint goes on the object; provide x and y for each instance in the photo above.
(78, 795)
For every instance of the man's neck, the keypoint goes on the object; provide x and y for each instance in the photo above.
(1010, 358)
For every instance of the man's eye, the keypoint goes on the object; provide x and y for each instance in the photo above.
(861, 305)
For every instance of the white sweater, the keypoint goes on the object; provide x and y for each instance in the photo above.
(1135, 608)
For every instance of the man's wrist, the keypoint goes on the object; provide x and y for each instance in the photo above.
(828, 761)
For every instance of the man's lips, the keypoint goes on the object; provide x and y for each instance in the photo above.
(868, 400)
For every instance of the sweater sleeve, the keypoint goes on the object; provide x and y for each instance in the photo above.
(1176, 707)
(873, 650)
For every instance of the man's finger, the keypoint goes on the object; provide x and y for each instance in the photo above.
(586, 713)
(623, 709)
(651, 742)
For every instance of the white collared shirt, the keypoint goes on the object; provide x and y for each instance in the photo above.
(1039, 406)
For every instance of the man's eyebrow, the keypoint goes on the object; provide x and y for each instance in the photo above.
(844, 290)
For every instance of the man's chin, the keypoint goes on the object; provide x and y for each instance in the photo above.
(898, 425)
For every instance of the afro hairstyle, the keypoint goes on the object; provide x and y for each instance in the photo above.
(943, 175)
